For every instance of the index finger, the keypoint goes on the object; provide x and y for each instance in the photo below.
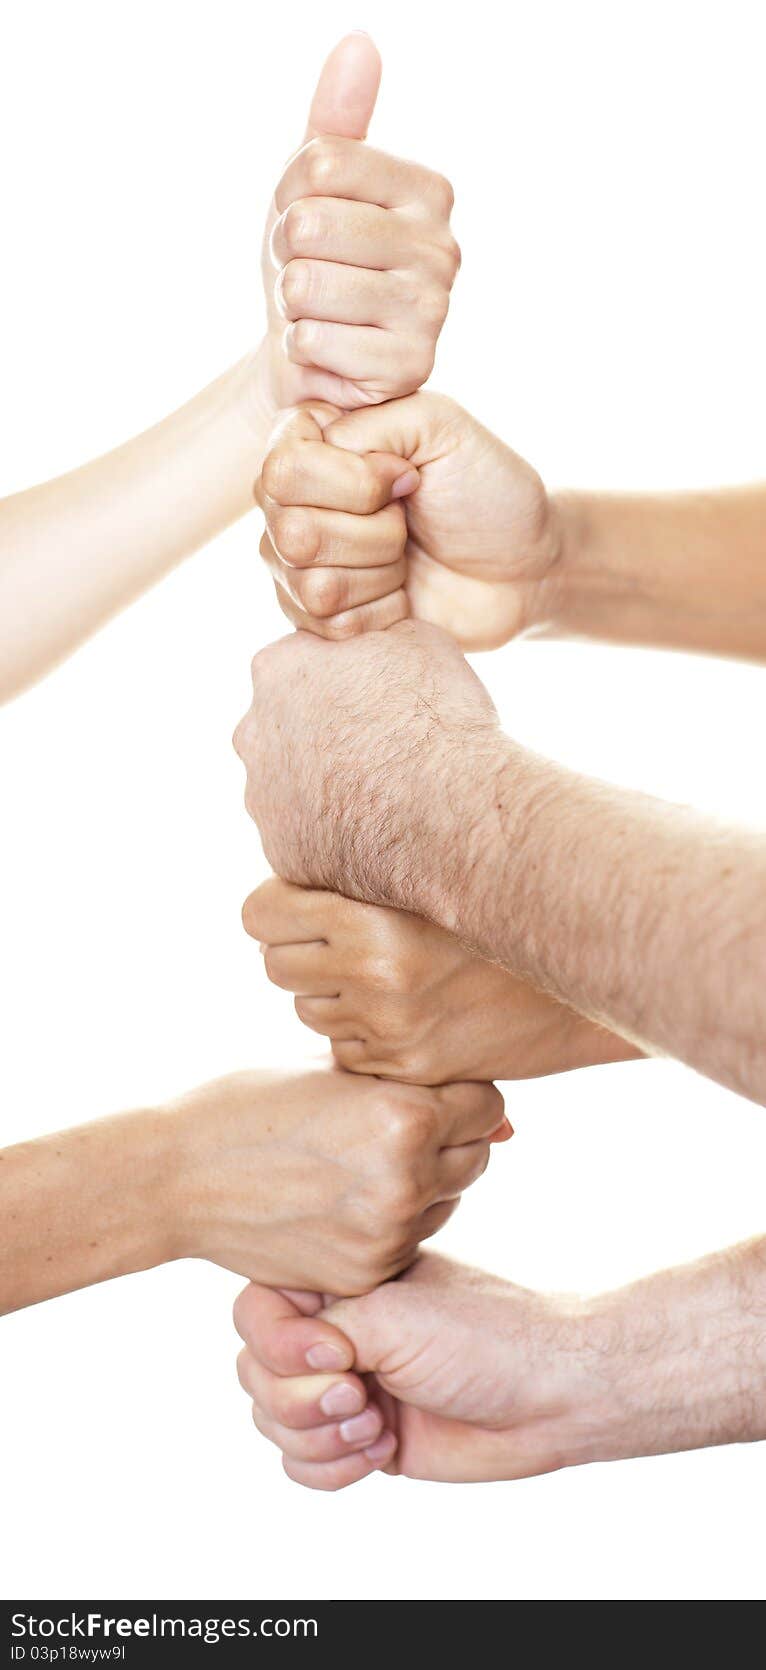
(333, 167)
(308, 472)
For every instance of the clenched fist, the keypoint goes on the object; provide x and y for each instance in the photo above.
(358, 256)
(411, 507)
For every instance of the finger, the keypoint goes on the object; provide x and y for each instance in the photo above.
(279, 913)
(323, 592)
(310, 473)
(347, 89)
(275, 1327)
(337, 538)
(459, 1167)
(337, 1475)
(341, 167)
(301, 1401)
(358, 351)
(472, 1112)
(369, 617)
(302, 969)
(420, 425)
(353, 234)
(312, 289)
(432, 1220)
(323, 1443)
(327, 1016)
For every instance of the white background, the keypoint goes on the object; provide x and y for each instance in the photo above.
(608, 164)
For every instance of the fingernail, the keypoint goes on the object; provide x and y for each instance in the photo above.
(503, 1133)
(362, 1426)
(382, 1449)
(405, 484)
(341, 1400)
(326, 1356)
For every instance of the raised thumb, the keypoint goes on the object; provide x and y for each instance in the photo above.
(347, 89)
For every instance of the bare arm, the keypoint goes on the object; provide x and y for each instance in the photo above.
(643, 916)
(221, 1173)
(487, 1380)
(678, 571)
(75, 550)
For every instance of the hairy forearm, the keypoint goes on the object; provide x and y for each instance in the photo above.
(75, 550)
(679, 571)
(641, 915)
(674, 1362)
(84, 1205)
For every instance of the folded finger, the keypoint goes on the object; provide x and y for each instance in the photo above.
(323, 1443)
(323, 592)
(355, 171)
(472, 1112)
(279, 913)
(303, 535)
(337, 1475)
(301, 969)
(311, 473)
(369, 617)
(359, 351)
(459, 1167)
(337, 229)
(301, 1401)
(309, 289)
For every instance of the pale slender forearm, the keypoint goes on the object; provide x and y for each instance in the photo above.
(75, 550)
(643, 916)
(679, 571)
(84, 1205)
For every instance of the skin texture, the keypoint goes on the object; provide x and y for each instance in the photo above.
(471, 1378)
(399, 997)
(297, 1179)
(641, 915)
(334, 551)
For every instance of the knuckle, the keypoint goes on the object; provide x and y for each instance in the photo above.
(322, 592)
(304, 336)
(278, 476)
(410, 1125)
(295, 285)
(347, 625)
(292, 533)
(323, 160)
(297, 227)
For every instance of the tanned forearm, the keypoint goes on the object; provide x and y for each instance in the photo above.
(642, 915)
(84, 1205)
(75, 550)
(678, 571)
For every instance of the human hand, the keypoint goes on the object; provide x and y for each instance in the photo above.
(475, 1378)
(472, 1378)
(356, 754)
(317, 1179)
(481, 538)
(358, 256)
(399, 997)
(346, 571)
